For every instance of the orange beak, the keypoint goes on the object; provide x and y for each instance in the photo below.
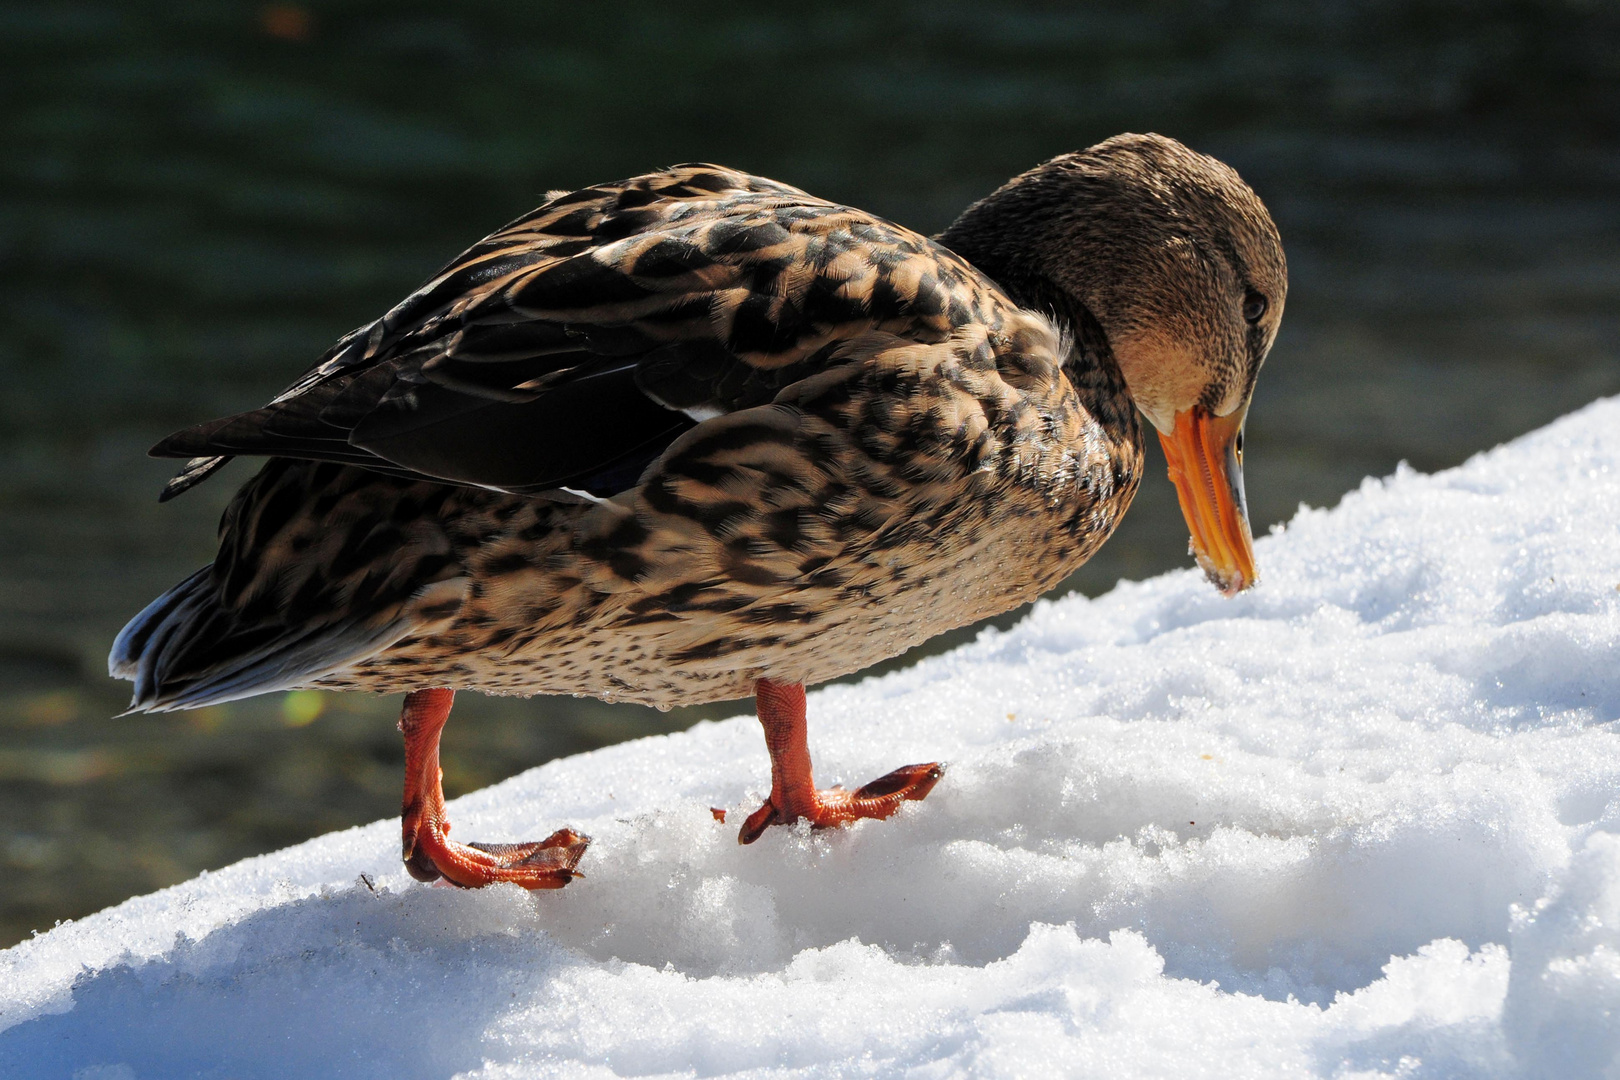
(1206, 465)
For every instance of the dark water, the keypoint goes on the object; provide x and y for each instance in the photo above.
(198, 198)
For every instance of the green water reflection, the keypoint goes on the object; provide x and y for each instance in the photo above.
(199, 197)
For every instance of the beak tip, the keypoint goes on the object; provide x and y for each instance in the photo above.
(1230, 581)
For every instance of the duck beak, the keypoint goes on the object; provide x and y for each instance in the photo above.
(1206, 465)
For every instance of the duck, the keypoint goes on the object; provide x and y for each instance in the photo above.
(699, 435)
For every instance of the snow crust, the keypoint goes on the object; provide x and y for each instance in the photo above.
(1363, 821)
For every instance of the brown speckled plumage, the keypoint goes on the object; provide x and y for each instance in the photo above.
(700, 434)
(663, 438)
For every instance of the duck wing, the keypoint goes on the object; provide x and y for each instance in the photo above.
(570, 348)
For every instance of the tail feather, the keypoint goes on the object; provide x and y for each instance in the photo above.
(134, 643)
(186, 650)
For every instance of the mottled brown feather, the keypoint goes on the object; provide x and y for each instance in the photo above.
(869, 440)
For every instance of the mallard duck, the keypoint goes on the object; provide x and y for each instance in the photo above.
(699, 434)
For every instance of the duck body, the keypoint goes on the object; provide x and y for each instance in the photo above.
(897, 449)
(700, 434)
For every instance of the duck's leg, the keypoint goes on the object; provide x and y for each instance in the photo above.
(430, 853)
(793, 791)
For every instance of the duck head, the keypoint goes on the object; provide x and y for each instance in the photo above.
(1180, 264)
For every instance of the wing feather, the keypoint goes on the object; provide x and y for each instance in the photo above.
(582, 339)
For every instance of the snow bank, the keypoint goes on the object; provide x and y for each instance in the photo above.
(1364, 821)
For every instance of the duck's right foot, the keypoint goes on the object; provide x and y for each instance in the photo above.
(538, 864)
(429, 852)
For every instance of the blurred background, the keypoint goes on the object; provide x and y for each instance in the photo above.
(197, 198)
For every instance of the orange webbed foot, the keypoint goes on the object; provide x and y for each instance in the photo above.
(793, 791)
(828, 808)
(429, 852)
(538, 864)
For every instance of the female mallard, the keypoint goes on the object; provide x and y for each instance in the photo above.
(699, 433)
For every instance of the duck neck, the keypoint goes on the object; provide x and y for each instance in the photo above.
(1091, 367)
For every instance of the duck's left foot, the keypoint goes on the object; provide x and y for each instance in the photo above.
(429, 852)
(793, 791)
(835, 806)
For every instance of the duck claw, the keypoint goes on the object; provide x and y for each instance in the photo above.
(428, 851)
(833, 807)
(535, 864)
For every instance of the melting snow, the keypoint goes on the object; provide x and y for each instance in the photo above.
(1361, 822)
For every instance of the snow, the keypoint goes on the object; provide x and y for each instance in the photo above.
(1363, 821)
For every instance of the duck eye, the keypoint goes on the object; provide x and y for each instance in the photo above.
(1254, 306)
